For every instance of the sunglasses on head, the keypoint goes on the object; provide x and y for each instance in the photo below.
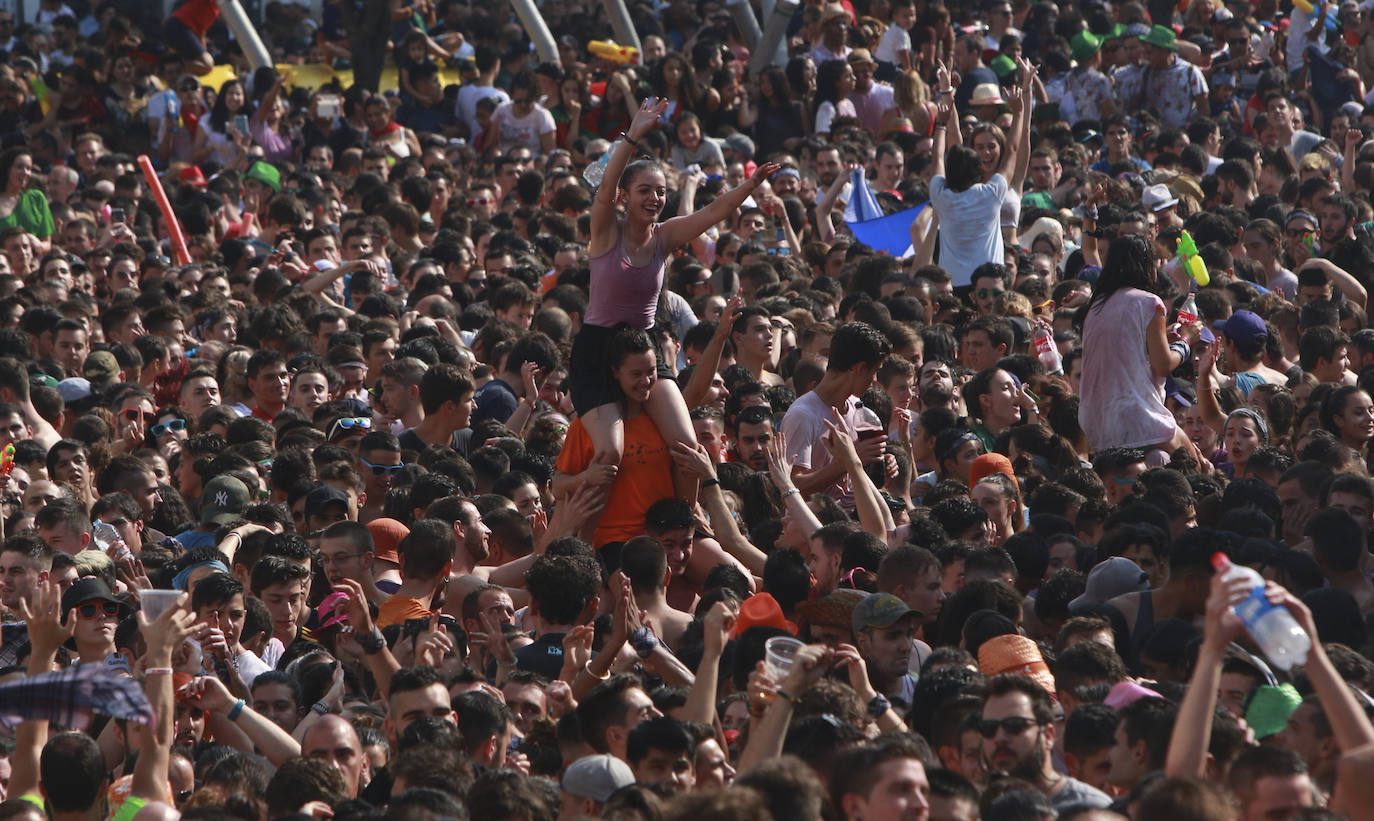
(381, 470)
(132, 415)
(1014, 725)
(89, 610)
(349, 423)
(175, 426)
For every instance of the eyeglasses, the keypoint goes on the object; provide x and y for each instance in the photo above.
(986, 293)
(326, 559)
(1295, 233)
(1014, 725)
(90, 610)
(482, 201)
(189, 87)
(349, 423)
(132, 415)
(174, 426)
(381, 470)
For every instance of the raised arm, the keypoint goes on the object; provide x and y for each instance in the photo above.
(162, 635)
(693, 460)
(1349, 722)
(946, 120)
(603, 207)
(1187, 755)
(679, 231)
(1019, 144)
(701, 700)
(704, 373)
(1340, 278)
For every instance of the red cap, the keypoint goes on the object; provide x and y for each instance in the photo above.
(193, 175)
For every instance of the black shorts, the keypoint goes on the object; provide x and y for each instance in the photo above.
(589, 373)
(182, 40)
(590, 381)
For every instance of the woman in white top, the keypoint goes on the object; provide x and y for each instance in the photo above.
(968, 205)
(834, 82)
(219, 137)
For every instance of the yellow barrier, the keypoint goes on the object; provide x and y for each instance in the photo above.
(314, 75)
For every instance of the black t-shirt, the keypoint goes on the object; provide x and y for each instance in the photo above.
(544, 656)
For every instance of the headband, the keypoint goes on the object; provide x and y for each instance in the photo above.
(1251, 413)
(179, 582)
(954, 448)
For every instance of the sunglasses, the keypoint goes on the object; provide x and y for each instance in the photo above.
(132, 415)
(349, 423)
(1014, 725)
(482, 201)
(175, 426)
(985, 293)
(89, 611)
(1297, 232)
(381, 470)
(188, 87)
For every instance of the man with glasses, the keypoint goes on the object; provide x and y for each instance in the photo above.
(522, 122)
(379, 459)
(346, 552)
(1018, 730)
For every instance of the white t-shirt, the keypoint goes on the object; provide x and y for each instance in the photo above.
(518, 132)
(827, 111)
(895, 40)
(804, 426)
(970, 225)
(469, 97)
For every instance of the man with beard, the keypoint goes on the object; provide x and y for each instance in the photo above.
(1017, 725)
(752, 433)
(936, 384)
(885, 632)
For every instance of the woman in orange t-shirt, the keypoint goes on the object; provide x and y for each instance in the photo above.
(645, 474)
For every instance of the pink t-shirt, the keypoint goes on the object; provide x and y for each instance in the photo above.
(1121, 404)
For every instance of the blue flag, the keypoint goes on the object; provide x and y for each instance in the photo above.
(890, 234)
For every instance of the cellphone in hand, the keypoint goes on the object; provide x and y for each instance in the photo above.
(116, 215)
(241, 124)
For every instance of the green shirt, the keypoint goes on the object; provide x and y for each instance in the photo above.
(31, 212)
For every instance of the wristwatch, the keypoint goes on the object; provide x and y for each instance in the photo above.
(372, 643)
(878, 705)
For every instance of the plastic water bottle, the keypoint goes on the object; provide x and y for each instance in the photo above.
(1271, 626)
(104, 535)
(596, 172)
(1187, 312)
(1046, 351)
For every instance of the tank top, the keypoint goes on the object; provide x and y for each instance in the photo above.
(621, 292)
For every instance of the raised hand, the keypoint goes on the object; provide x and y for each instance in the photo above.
(647, 117)
(1222, 627)
(496, 641)
(765, 171)
(720, 620)
(779, 465)
(208, 693)
(727, 316)
(847, 655)
(529, 374)
(43, 615)
(1016, 101)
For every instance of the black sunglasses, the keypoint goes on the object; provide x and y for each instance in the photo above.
(132, 415)
(1014, 725)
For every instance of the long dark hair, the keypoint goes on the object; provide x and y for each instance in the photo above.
(8, 159)
(963, 168)
(219, 113)
(782, 89)
(1130, 263)
(828, 76)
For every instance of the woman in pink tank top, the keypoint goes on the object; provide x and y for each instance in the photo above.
(628, 251)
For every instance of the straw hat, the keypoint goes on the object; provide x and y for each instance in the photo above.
(1015, 654)
(986, 94)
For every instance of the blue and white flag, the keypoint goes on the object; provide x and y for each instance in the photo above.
(891, 233)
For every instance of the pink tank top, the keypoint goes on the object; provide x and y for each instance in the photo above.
(621, 292)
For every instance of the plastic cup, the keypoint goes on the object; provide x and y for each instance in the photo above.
(778, 654)
(155, 602)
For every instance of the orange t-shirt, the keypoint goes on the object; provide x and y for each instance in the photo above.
(397, 609)
(646, 475)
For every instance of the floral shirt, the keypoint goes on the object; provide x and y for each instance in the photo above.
(1084, 91)
(1170, 90)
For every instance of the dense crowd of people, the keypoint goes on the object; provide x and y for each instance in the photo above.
(548, 445)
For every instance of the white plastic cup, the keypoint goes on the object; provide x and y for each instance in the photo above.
(778, 654)
(156, 602)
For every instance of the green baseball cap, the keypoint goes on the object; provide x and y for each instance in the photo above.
(225, 498)
(265, 173)
(101, 370)
(1085, 44)
(881, 610)
(1002, 66)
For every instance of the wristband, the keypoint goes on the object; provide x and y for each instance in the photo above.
(625, 135)
(587, 668)
(319, 708)
(789, 492)
(878, 705)
(705, 483)
(372, 643)
(1184, 352)
(786, 696)
(644, 642)
(158, 671)
(236, 710)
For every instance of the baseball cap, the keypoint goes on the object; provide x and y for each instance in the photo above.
(386, 536)
(74, 389)
(881, 610)
(265, 173)
(321, 497)
(597, 777)
(101, 370)
(1110, 579)
(225, 500)
(1243, 327)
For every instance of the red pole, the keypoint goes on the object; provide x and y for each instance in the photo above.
(183, 256)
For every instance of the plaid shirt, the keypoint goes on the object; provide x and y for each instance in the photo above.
(70, 697)
(14, 636)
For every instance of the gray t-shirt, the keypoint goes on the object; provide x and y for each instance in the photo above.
(970, 225)
(1075, 793)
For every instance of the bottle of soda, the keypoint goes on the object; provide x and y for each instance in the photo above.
(1272, 627)
(1046, 351)
(1187, 312)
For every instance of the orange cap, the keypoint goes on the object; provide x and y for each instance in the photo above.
(386, 535)
(762, 610)
(988, 464)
